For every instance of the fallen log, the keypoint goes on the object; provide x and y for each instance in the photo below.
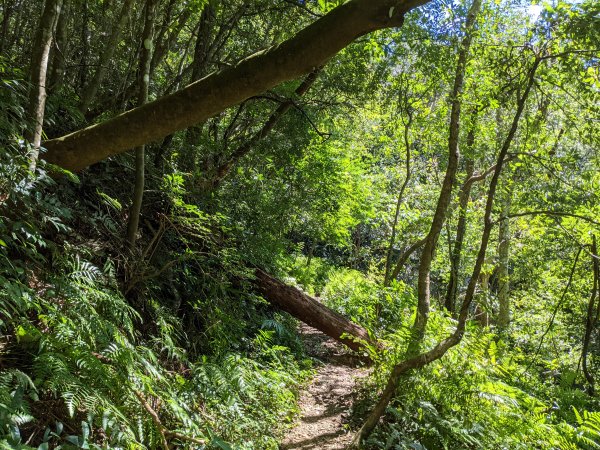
(310, 311)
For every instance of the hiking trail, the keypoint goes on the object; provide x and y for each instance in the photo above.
(325, 403)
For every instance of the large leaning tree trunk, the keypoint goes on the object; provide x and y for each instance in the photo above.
(309, 48)
(310, 311)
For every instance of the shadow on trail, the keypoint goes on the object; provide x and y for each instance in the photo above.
(326, 402)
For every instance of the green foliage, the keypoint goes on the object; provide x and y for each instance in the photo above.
(246, 399)
(311, 274)
(100, 340)
(585, 435)
(362, 300)
(472, 402)
(75, 359)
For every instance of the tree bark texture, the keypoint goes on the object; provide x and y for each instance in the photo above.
(591, 318)
(168, 33)
(310, 311)
(446, 192)
(7, 10)
(199, 67)
(144, 84)
(60, 46)
(38, 72)
(388, 259)
(503, 258)
(461, 227)
(308, 49)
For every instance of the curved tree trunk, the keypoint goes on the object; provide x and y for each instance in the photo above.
(387, 278)
(404, 257)
(220, 172)
(461, 228)
(439, 216)
(424, 358)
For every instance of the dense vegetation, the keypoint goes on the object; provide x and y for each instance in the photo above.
(436, 181)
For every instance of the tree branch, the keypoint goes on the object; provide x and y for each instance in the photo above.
(553, 213)
(164, 432)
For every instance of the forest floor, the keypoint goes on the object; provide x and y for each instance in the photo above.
(326, 402)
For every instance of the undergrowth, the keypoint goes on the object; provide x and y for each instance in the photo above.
(486, 393)
(103, 354)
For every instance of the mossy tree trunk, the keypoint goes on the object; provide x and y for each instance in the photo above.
(301, 54)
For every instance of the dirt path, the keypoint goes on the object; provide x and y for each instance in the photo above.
(327, 400)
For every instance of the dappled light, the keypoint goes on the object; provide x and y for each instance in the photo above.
(299, 224)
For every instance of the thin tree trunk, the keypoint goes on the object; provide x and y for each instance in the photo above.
(483, 301)
(160, 51)
(164, 44)
(309, 48)
(439, 217)
(422, 359)
(19, 24)
(223, 169)
(388, 259)
(461, 227)
(203, 40)
(144, 83)
(591, 318)
(503, 258)
(162, 30)
(14, 27)
(85, 45)
(38, 71)
(187, 157)
(404, 257)
(7, 10)
(58, 54)
(90, 90)
(311, 252)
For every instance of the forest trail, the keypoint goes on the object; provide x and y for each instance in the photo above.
(326, 402)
